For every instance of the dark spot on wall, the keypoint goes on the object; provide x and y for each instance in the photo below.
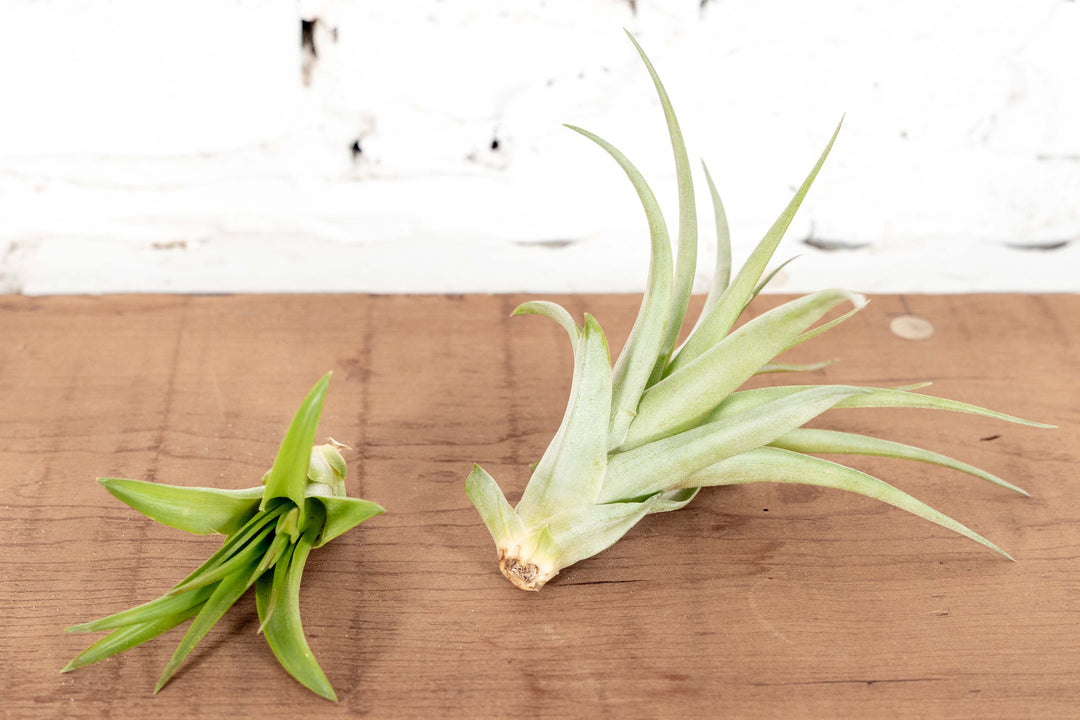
(356, 150)
(169, 245)
(554, 244)
(495, 143)
(307, 36)
(1044, 246)
(834, 245)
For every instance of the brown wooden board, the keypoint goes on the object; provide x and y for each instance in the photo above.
(755, 601)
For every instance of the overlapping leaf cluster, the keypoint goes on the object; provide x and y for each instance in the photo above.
(270, 531)
(643, 436)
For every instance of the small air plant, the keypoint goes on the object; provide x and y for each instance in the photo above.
(269, 529)
(645, 436)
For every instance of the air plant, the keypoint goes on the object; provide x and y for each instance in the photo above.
(270, 531)
(645, 435)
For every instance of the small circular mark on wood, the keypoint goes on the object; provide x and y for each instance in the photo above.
(911, 327)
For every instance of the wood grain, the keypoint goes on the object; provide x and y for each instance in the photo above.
(759, 601)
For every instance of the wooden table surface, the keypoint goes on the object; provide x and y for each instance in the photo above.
(755, 601)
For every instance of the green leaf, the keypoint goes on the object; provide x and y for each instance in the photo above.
(644, 344)
(243, 558)
(661, 465)
(775, 465)
(227, 592)
(686, 263)
(277, 580)
(129, 636)
(572, 468)
(197, 510)
(147, 612)
(806, 440)
(240, 539)
(721, 318)
(283, 629)
(681, 400)
(343, 514)
(288, 476)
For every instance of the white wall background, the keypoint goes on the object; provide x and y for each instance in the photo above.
(417, 146)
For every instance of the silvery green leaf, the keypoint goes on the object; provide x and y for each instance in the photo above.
(722, 269)
(644, 344)
(686, 263)
(662, 464)
(681, 400)
(555, 312)
(500, 518)
(807, 440)
(775, 465)
(712, 328)
(572, 474)
(873, 398)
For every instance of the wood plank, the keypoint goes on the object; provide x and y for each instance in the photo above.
(758, 601)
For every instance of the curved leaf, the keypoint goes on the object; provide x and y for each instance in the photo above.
(644, 344)
(572, 468)
(283, 629)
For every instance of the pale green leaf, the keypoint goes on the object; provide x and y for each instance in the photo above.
(719, 321)
(644, 344)
(807, 440)
(686, 263)
(681, 400)
(775, 465)
(792, 367)
(500, 518)
(571, 471)
(555, 312)
(662, 464)
(873, 398)
(722, 270)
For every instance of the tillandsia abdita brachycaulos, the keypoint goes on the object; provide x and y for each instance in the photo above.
(645, 435)
(270, 531)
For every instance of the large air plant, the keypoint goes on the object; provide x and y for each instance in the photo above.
(271, 529)
(645, 435)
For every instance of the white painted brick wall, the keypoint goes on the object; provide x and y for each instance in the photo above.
(195, 146)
